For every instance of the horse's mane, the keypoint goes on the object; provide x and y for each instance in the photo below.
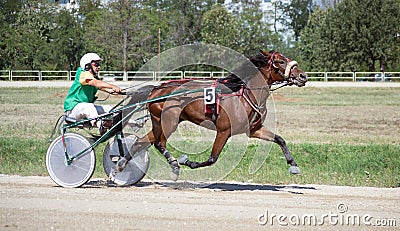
(238, 78)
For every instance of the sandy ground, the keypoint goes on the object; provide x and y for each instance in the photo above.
(36, 203)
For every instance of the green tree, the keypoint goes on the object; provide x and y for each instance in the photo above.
(220, 27)
(354, 35)
(313, 44)
(184, 19)
(3, 45)
(67, 40)
(27, 42)
(297, 12)
(254, 32)
(9, 9)
(87, 6)
(42, 36)
(8, 15)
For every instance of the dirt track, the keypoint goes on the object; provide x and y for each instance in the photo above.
(36, 203)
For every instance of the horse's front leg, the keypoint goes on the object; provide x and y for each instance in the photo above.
(219, 143)
(265, 134)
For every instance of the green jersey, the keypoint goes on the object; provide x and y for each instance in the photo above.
(80, 91)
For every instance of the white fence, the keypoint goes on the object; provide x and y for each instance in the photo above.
(35, 75)
(354, 76)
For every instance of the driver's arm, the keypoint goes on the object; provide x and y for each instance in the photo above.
(104, 86)
(86, 78)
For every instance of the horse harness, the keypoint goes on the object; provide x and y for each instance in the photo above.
(212, 110)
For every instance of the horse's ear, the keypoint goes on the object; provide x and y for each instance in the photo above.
(264, 53)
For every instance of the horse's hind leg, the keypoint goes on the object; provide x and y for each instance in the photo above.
(219, 144)
(160, 142)
(171, 160)
(156, 137)
(265, 134)
(160, 145)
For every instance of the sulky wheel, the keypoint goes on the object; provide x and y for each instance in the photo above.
(80, 170)
(136, 168)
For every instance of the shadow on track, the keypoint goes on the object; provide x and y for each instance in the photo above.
(185, 185)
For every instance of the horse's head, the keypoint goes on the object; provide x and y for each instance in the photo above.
(281, 69)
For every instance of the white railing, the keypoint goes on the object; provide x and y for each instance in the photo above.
(35, 75)
(354, 76)
(54, 75)
(5, 74)
(197, 74)
(25, 74)
(162, 75)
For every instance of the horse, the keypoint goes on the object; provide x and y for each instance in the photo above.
(240, 108)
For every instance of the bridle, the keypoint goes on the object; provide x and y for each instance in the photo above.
(288, 70)
(287, 80)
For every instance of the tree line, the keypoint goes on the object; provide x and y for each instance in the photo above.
(350, 35)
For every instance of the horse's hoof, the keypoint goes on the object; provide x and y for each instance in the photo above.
(175, 170)
(175, 173)
(112, 174)
(183, 159)
(294, 170)
(121, 164)
(174, 176)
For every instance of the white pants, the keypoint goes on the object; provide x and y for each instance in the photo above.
(88, 111)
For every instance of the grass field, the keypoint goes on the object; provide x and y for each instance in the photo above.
(338, 136)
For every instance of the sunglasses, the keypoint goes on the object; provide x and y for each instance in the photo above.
(96, 64)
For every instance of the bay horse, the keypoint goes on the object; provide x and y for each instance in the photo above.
(240, 108)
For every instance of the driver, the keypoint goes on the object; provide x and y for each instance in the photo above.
(79, 103)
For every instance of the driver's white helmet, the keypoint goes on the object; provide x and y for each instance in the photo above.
(88, 58)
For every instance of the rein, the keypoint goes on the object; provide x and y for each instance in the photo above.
(282, 85)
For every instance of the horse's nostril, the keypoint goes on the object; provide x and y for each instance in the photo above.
(304, 77)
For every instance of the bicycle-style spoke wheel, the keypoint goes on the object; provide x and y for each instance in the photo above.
(136, 168)
(80, 170)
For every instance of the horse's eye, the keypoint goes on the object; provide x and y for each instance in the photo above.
(281, 62)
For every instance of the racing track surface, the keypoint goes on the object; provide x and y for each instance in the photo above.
(36, 203)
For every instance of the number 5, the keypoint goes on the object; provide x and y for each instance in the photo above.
(209, 95)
